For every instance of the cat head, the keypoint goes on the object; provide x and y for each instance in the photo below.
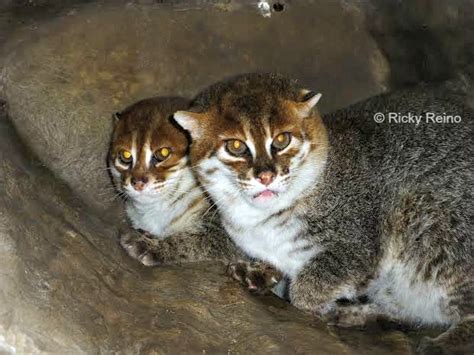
(148, 151)
(256, 137)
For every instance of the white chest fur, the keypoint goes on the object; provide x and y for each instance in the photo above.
(154, 218)
(165, 214)
(282, 240)
(279, 240)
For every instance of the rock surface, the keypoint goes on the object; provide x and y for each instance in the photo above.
(63, 78)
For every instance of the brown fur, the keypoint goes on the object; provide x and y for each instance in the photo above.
(272, 104)
(149, 121)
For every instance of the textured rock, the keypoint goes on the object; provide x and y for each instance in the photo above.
(63, 78)
(424, 40)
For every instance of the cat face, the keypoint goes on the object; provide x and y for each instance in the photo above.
(147, 151)
(257, 140)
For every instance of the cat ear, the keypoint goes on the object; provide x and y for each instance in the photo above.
(308, 102)
(190, 121)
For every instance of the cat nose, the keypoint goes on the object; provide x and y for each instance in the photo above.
(139, 182)
(266, 177)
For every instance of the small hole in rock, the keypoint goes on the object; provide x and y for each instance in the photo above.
(278, 7)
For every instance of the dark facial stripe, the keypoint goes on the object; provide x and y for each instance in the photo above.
(193, 204)
(173, 167)
(179, 196)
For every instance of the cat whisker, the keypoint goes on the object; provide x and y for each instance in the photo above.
(215, 202)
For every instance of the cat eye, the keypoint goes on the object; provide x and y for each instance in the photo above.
(125, 156)
(281, 141)
(162, 154)
(236, 147)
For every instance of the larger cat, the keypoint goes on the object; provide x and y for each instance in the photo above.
(345, 207)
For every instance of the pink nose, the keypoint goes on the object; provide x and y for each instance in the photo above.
(266, 177)
(139, 186)
(139, 182)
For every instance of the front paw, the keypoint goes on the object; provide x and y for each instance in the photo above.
(258, 277)
(141, 247)
(358, 315)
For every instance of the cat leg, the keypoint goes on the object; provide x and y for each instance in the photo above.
(258, 276)
(186, 247)
(331, 275)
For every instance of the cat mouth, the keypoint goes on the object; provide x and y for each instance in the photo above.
(265, 195)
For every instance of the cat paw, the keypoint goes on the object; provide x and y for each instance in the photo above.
(140, 247)
(258, 277)
(351, 316)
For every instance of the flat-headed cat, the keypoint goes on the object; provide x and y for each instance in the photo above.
(149, 167)
(345, 207)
